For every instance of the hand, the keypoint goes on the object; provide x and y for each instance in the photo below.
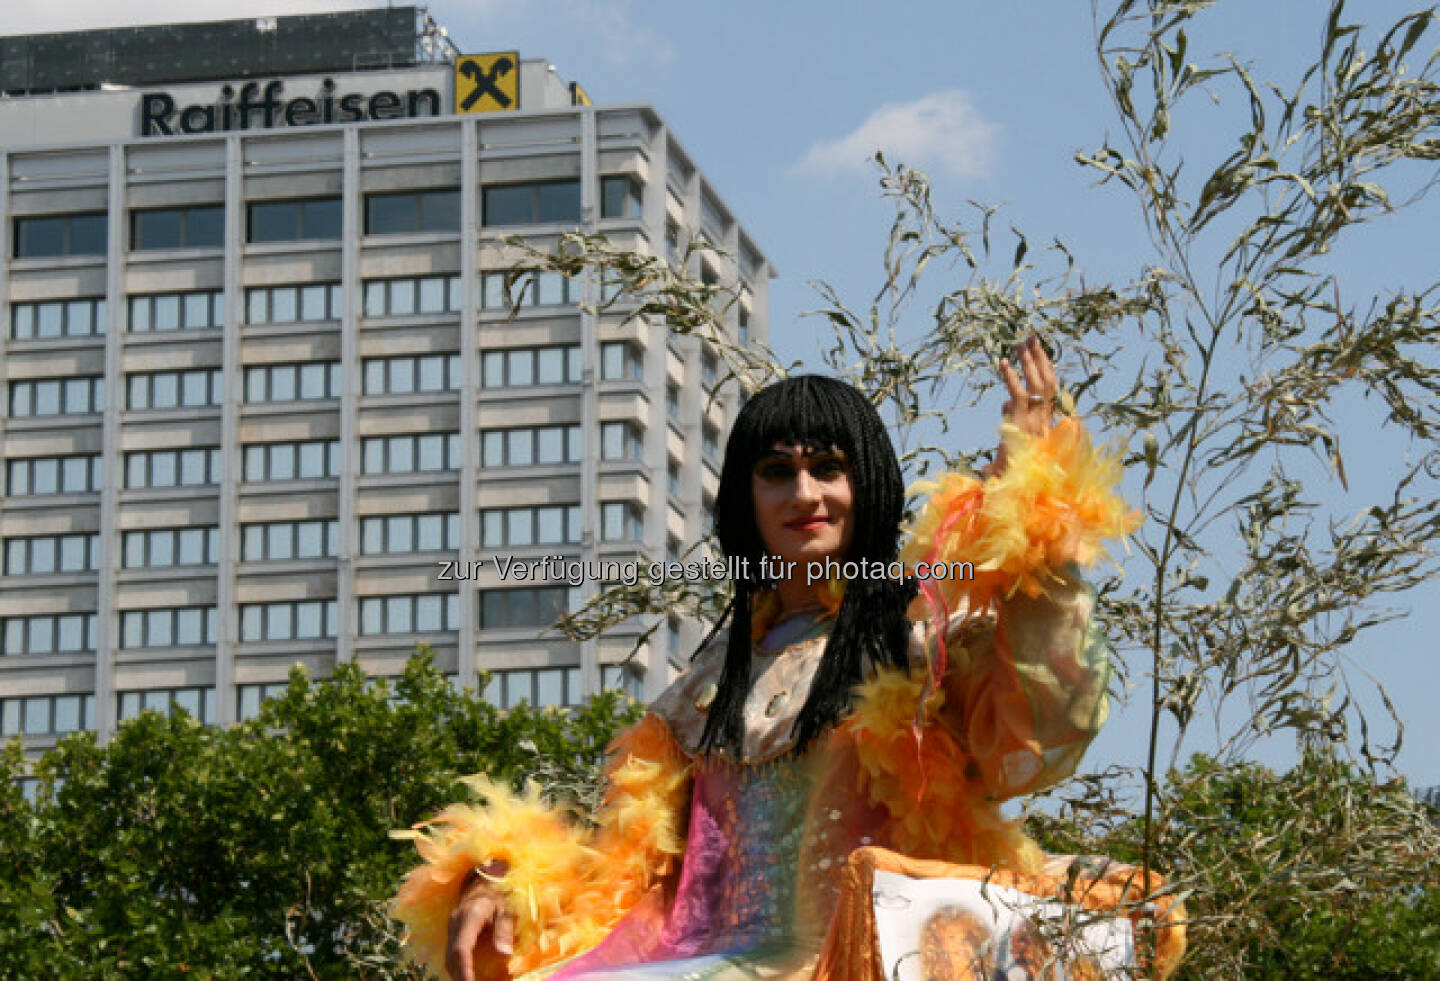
(471, 955)
(1033, 391)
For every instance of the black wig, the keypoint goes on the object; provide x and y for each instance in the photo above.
(870, 628)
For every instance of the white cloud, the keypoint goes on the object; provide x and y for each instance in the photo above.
(940, 131)
(621, 37)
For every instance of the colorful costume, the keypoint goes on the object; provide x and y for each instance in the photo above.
(700, 866)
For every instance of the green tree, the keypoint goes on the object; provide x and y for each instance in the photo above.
(1318, 872)
(262, 850)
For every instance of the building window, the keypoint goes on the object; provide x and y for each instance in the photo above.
(292, 382)
(175, 389)
(421, 613)
(52, 475)
(302, 620)
(46, 715)
(523, 447)
(672, 400)
(164, 547)
(523, 366)
(535, 606)
(306, 460)
(744, 324)
(527, 288)
(61, 633)
(546, 524)
(621, 521)
(620, 441)
(196, 226)
(249, 698)
(405, 376)
(540, 687)
(57, 396)
(185, 626)
(620, 677)
(198, 703)
(45, 554)
(619, 361)
(539, 201)
(277, 540)
(709, 370)
(176, 311)
(392, 534)
(672, 476)
(304, 303)
(59, 235)
(58, 318)
(293, 221)
(620, 197)
(672, 243)
(172, 468)
(411, 295)
(412, 211)
(710, 441)
(410, 454)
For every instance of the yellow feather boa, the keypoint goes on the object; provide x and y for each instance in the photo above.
(567, 884)
(1054, 504)
(924, 778)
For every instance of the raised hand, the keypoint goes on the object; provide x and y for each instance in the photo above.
(1033, 390)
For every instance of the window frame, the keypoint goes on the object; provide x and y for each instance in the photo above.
(511, 614)
(148, 323)
(534, 211)
(27, 318)
(267, 374)
(302, 209)
(64, 385)
(67, 234)
(262, 298)
(419, 225)
(267, 450)
(187, 214)
(212, 467)
(378, 611)
(632, 196)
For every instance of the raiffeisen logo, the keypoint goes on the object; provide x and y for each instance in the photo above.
(264, 108)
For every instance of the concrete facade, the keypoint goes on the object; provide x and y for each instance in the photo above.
(231, 449)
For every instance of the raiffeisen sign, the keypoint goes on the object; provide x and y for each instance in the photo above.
(260, 105)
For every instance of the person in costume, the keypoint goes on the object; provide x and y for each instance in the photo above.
(835, 732)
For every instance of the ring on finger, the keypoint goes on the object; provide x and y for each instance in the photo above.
(1034, 400)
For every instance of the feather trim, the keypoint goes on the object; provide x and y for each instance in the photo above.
(567, 884)
(923, 777)
(1054, 504)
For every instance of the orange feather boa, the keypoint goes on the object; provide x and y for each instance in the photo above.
(567, 884)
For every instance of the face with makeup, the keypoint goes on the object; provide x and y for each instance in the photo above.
(803, 501)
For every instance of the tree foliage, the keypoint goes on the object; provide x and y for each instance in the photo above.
(261, 850)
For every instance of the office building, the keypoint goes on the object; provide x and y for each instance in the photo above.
(262, 381)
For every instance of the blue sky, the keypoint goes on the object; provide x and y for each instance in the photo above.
(781, 103)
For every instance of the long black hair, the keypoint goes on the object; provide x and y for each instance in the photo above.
(818, 413)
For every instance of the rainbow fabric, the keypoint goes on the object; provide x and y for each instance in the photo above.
(919, 767)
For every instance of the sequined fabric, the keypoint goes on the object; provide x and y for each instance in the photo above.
(759, 883)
